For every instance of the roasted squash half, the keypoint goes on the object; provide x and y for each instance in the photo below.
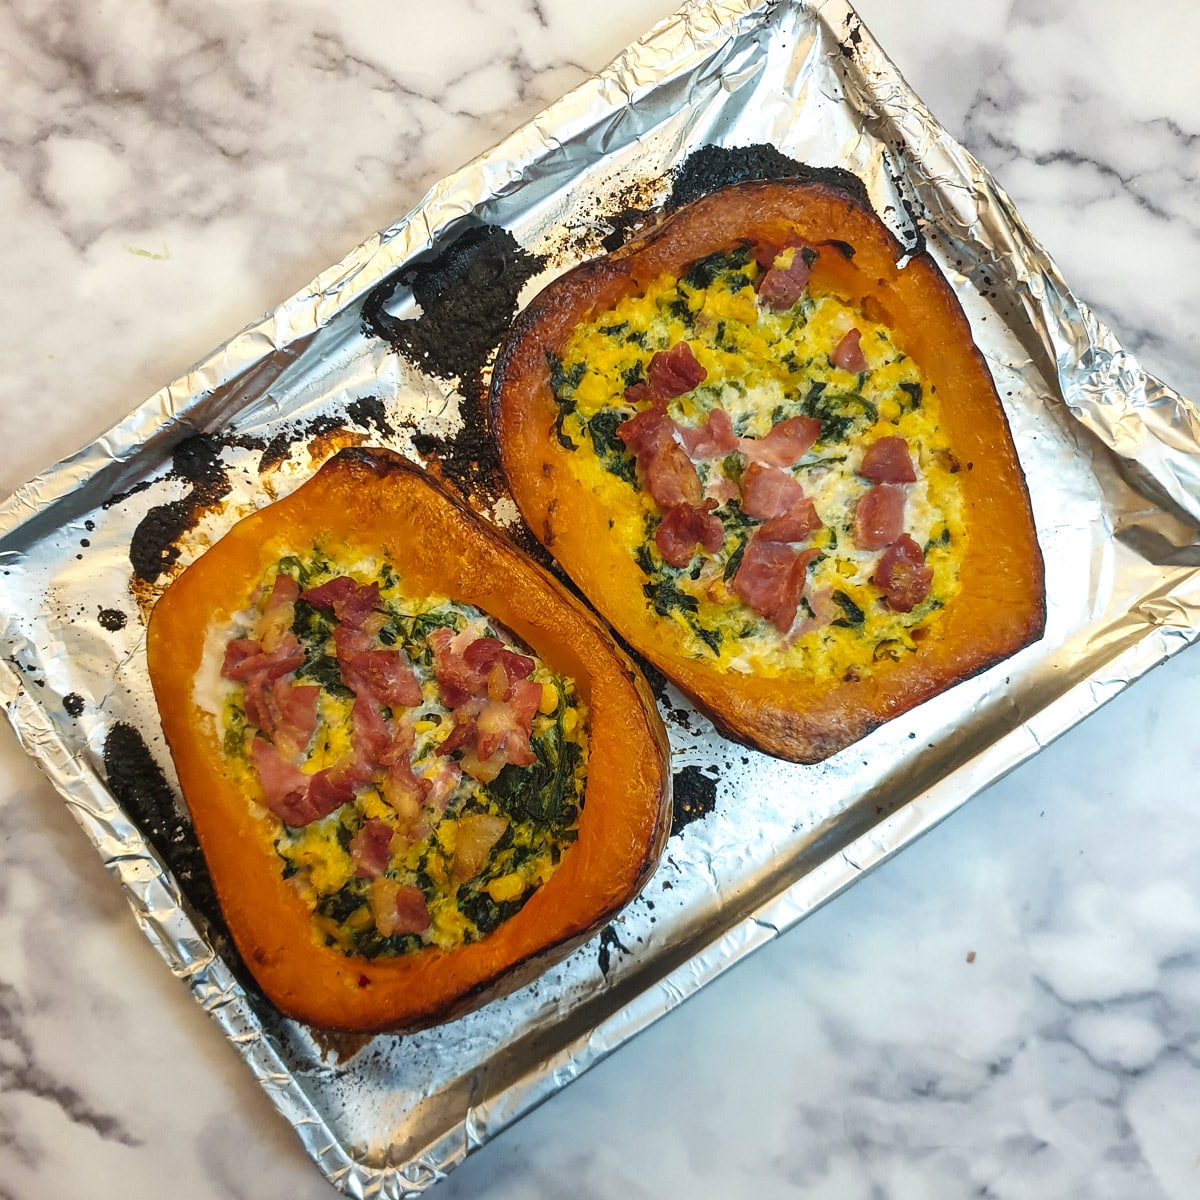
(372, 504)
(651, 408)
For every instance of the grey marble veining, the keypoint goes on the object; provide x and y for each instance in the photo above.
(1009, 1009)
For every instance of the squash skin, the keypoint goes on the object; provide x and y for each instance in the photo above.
(1001, 607)
(375, 499)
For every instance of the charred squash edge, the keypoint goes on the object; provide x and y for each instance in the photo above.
(1001, 606)
(374, 499)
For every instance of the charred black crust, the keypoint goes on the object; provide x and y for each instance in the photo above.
(711, 168)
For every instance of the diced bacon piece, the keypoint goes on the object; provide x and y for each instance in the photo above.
(784, 282)
(712, 438)
(493, 706)
(785, 445)
(285, 712)
(496, 667)
(644, 430)
(887, 460)
(369, 848)
(770, 580)
(443, 784)
(371, 735)
(664, 468)
(768, 492)
(333, 594)
(474, 836)
(506, 724)
(792, 526)
(245, 659)
(296, 797)
(475, 667)
(902, 576)
(278, 613)
(384, 674)
(670, 476)
(398, 908)
(404, 791)
(685, 526)
(847, 354)
(672, 372)
(878, 517)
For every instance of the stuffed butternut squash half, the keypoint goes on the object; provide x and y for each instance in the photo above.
(419, 771)
(766, 448)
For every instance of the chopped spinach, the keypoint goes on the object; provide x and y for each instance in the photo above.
(704, 271)
(852, 614)
(602, 429)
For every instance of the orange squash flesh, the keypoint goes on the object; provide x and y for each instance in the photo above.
(1001, 606)
(379, 502)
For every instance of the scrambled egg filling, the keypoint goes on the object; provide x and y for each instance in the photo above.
(525, 817)
(763, 366)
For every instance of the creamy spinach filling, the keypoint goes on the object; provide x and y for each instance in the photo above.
(530, 812)
(763, 367)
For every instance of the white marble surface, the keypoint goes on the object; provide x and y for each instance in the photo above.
(1010, 1009)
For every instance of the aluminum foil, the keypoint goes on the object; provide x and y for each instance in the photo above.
(1111, 458)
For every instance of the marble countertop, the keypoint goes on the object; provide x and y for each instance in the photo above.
(1010, 1008)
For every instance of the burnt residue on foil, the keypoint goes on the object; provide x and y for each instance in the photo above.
(695, 795)
(468, 297)
(369, 413)
(142, 790)
(153, 547)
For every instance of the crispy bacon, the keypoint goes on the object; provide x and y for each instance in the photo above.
(878, 517)
(712, 438)
(887, 460)
(785, 445)
(383, 674)
(847, 354)
(768, 492)
(246, 659)
(369, 848)
(493, 703)
(351, 602)
(785, 280)
(474, 837)
(664, 468)
(685, 526)
(771, 578)
(672, 372)
(902, 576)
(398, 908)
(285, 712)
(298, 798)
(792, 526)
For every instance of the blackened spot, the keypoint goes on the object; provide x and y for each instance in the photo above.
(112, 619)
(468, 297)
(623, 222)
(120, 497)
(198, 461)
(73, 703)
(843, 248)
(143, 792)
(609, 939)
(711, 168)
(151, 549)
(370, 412)
(695, 797)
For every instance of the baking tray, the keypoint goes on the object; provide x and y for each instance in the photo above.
(361, 355)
